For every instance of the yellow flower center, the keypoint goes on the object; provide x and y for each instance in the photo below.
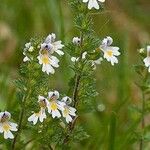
(66, 111)
(6, 127)
(45, 59)
(109, 53)
(53, 106)
(37, 114)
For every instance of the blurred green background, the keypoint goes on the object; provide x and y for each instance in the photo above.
(126, 21)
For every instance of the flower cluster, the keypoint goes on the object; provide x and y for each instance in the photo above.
(45, 57)
(93, 62)
(28, 48)
(6, 126)
(55, 107)
(93, 3)
(110, 52)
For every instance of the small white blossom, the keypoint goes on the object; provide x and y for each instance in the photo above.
(51, 45)
(147, 59)
(48, 62)
(75, 59)
(96, 62)
(141, 51)
(110, 52)
(35, 116)
(107, 41)
(41, 115)
(54, 104)
(6, 126)
(68, 111)
(76, 40)
(93, 3)
(26, 58)
(30, 48)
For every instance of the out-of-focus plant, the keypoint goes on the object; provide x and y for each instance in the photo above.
(37, 102)
(143, 71)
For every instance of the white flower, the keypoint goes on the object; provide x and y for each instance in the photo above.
(93, 3)
(96, 62)
(141, 51)
(26, 58)
(6, 126)
(51, 45)
(84, 55)
(110, 52)
(41, 115)
(76, 40)
(54, 105)
(48, 62)
(68, 111)
(30, 48)
(147, 59)
(107, 41)
(75, 59)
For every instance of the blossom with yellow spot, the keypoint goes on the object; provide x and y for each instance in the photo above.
(48, 61)
(147, 59)
(6, 126)
(54, 104)
(110, 52)
(68, 112)
(41, 115)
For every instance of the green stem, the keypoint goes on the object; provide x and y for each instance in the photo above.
(143, 121)
(112, 132)
(75, 92)
(20, 120)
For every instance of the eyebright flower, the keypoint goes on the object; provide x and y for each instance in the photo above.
(96, 62)
(76, 40)
(68, 111)
(41, 115)
(54, 104)
(45, 55)
(93, 3)
(75, 59)
(147, 59)
(51, 45)
(48, 62)
(141, 50)
(6, 126)
(26, 58)
(110, 52)
(28, 48)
